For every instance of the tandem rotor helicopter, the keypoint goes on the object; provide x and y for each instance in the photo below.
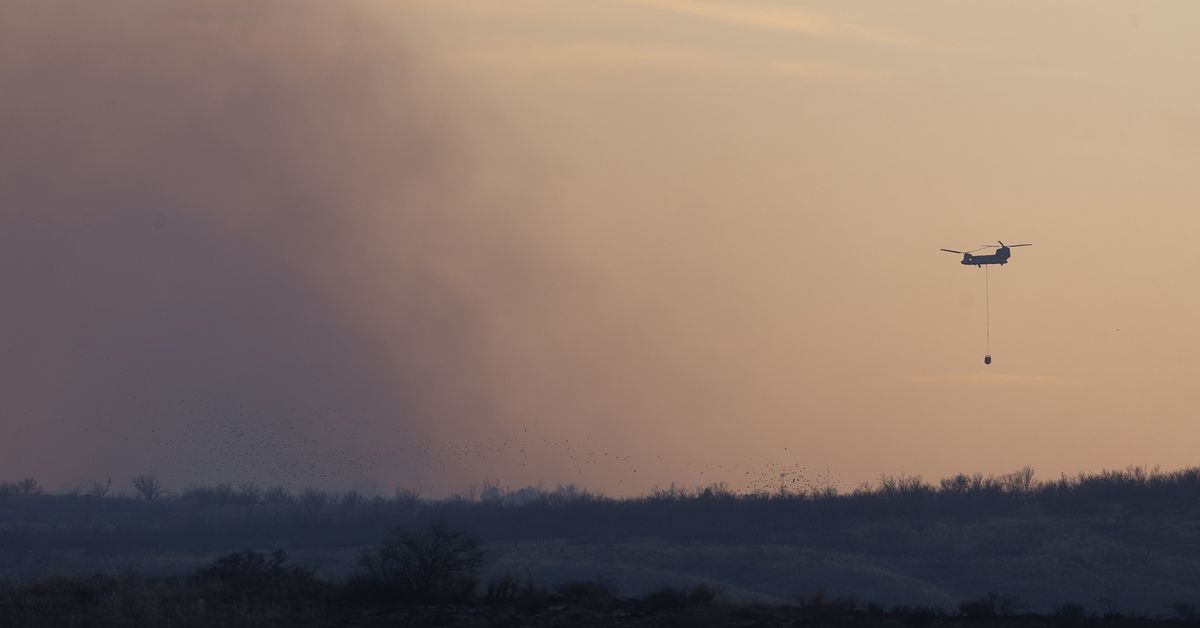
(999, 257)
(1003, 252)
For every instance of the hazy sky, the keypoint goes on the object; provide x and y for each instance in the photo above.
(689, 234)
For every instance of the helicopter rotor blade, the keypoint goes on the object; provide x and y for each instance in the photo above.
(1002, 245)
(1016, 245)
(953, 251)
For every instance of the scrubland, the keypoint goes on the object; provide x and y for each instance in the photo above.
(1119, 544)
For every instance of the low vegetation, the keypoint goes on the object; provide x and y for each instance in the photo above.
(1146, 488)
(429, 578)
(945, 534)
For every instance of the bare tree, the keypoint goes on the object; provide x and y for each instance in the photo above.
(427, 562)
(492, 493)
(1019, 482)
(277, 495)
(148, 487)
(101, 489)
(29, 486)
(250, 493)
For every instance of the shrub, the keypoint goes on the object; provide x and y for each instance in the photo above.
(509, 587)
(591, 593)
(503, 587)
(441, 560)
(820, 606)
(897, 486)
(1018, 482)
(715, 490)
(147, 487)
(407, 498)
(963, 484)
(351, 500)
(979, 608)
(918, 615)
(1185, 610)
(257, 575)
(29, 486)
(668, 598)
(277, 495)
(101, 489)
(249, 493)
(313, 500)
(492, 493)
(216, 495)
(1071, 610)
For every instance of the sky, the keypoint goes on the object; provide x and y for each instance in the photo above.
(619, 243)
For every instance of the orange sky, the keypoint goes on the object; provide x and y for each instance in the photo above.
(760, 189)
(686, 233)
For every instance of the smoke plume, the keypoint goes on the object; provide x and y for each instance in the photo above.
(239, 243)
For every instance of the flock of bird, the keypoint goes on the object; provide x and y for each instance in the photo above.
(375, 456)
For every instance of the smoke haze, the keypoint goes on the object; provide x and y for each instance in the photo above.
(238, 244)
(612, 243)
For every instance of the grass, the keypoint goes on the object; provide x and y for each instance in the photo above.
(248, 589)
(1114, 543)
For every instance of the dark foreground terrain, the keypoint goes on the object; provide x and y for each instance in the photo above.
(1119, 544)
(268, 594)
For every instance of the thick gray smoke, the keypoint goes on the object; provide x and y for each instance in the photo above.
(234, 244)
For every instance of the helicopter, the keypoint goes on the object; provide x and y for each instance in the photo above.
(1001, 255)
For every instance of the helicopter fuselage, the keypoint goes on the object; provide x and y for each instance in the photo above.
(999, 257)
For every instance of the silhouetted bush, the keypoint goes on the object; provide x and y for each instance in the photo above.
(503, 587)
(441, 560)
(669, 598)
(406, 498)
(25, 486)
(715, 490)
(258, 575)
(962, 495)
(216, 495)
(101, 489)
(983, 607)
(249, 493)
(1185, 610)
(918, 615)
(277, 495)
(508, 587)
(900, 486)
(963, 484)
(820, 606)
(312, 500)
(147, 487)
(29, 486)
(251, 589)
(351, 499)
(587, 593)
(1109, 609)
(1072, 611)
(1019, 482)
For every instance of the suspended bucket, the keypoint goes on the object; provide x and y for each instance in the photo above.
(987, 359)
